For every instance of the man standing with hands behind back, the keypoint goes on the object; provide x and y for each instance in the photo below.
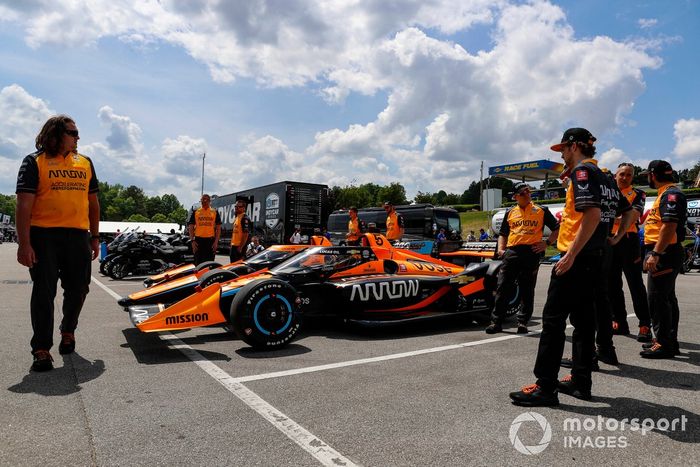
(58, 218)
(204, 227)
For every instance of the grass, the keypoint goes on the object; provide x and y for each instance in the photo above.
(474, 220)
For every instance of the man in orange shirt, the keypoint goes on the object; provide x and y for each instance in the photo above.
(204, 227)
(356, 227)
(58, 219)
(664, 231)
(520, 245)
(241, 232)
(394, 222)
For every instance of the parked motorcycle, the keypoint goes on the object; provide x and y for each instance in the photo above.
(147, 255)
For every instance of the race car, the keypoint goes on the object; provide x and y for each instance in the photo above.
(373, 283)
(179, 285)
(239, 267)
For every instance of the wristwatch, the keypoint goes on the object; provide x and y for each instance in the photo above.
(657, 253)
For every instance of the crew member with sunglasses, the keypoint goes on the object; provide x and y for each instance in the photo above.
(520, 246)
(627, 258)
(58, 216)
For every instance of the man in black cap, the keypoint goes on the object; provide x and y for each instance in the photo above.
(520, 245)
(584, 229)
(664, 231)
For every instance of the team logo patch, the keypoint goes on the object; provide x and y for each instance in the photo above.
(581, 175)
(671, 198)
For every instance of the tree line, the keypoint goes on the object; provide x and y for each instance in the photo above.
(119, 203)
(131, 204)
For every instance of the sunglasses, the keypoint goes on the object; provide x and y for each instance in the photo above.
(73, 133)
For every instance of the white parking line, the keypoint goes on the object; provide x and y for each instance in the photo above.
(312, 444)
(325, 454)
(362, 361)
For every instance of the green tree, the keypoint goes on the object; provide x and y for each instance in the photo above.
(179, 215)
(8, 204)
(424, 198)
(394, 193)
(159, 217)
(138, 218)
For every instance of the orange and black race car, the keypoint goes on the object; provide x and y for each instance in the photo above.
(374, 283)
(181, 281)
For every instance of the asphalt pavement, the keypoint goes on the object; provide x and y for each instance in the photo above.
(432, 393)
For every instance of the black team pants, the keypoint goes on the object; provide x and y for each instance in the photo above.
(627, 259)
(204, 250)
(63, 254)
(661, 290)
(519, 263)
(571, 295)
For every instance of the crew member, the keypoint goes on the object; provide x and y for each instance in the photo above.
(241, 231)
(394, 222)
(356, 227)
(627, 258)
(58, 217)
(585, 224)
(520, 246)
(664, 230)
(204, 227)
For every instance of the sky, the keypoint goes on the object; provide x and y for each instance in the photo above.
(346, 92)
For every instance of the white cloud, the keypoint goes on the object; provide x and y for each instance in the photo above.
(447, 108)
(646, 23)
(22, 118)
(687, 134)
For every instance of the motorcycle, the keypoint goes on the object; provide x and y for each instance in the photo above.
(147, 255)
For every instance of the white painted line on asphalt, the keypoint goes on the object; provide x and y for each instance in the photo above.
(311, 443)
(325, 454)
(382, 358)
(114, 294)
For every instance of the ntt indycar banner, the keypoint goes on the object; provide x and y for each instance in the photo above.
(531, 433)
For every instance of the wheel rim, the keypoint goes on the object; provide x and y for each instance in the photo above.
(272, 315)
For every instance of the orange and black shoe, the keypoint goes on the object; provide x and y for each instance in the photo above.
(43, 361)
(620, 328)
(67, 344)
(644, 334)
(567, 386)
(657, 351)
(534, 396)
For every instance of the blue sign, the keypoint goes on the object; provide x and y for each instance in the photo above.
(526, 166)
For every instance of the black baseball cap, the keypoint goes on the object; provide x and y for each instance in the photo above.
(658, 167)
(388, 203)
(574, 135)
(519, 187)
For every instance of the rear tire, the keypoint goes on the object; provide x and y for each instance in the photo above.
(265, 315)
(515, 304)
(216, 276)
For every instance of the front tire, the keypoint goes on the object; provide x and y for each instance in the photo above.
(265, 314)
(207, 265)
(216, 276)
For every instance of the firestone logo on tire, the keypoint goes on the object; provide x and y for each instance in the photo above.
(543, 424)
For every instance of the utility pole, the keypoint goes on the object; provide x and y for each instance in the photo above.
(204, 155)
(481, 187)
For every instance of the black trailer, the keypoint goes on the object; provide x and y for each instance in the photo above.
(275, 210)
